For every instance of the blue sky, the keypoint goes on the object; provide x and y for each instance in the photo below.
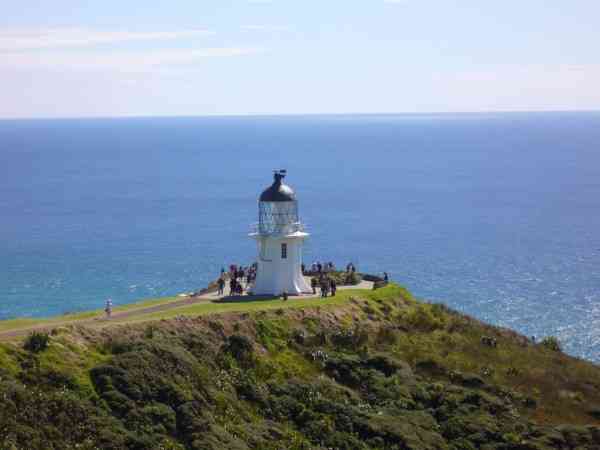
(67, 58)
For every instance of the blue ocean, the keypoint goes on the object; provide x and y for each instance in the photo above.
(497, 215)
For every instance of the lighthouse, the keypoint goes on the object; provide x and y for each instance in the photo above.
(279, 236)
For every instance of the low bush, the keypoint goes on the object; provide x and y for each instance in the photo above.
(350, 338)
(387, 335)
(425, 317)
(241, 349)
(37, 342)
(552, 343)
(344, 278)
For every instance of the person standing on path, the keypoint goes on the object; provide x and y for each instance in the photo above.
(324, 287)
(221, 284)
(108, 308)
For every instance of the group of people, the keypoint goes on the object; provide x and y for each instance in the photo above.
(322, 278)
(325, 283)
(319, 267)
(236, 275)
(326, 267)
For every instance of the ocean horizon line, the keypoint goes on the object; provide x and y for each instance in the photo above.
(300, 115)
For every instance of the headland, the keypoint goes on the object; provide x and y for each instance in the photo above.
(366, 369)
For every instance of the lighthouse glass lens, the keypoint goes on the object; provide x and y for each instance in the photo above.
(277, 217)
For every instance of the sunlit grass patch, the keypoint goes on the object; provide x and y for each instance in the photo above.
(208, 307)
(65, 319)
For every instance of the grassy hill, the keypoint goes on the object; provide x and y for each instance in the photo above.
(370, 370)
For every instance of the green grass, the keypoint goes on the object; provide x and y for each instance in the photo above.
(206, 308)
(8, 360)
(17, 324)
(66, 356)
(201, 309)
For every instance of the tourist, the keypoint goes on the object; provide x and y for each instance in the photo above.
(108, 308)
(221, 284)
(386, 278)
(285, 296)
(324, 287)
(313, 284)
(333, 287)
(232, 286)
(303, 267)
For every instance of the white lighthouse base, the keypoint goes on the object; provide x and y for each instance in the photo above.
(280, 265)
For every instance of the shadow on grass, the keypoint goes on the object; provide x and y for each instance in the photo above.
(245, 298)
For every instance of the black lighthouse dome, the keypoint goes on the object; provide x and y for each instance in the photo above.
(278, 192)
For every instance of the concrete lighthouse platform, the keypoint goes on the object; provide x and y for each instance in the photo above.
(227, 297)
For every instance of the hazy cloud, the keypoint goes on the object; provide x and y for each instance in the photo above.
(266, 28)
(123, 61)
(35, 39)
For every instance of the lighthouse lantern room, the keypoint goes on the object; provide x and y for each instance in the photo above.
(279, 236)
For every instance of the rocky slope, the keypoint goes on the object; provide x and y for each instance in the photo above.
(380, 371)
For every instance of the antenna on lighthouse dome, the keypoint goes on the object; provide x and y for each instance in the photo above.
(279, 174)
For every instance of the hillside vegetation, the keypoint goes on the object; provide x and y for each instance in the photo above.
(377, 370)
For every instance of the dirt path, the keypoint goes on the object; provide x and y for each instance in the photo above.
(132, 313)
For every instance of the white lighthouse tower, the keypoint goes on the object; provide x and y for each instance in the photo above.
(279, 236)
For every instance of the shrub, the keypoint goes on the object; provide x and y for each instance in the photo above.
(273, 334)
(425, 318)
(118, 346)
(379, 284)
(348, 338)
(149, 331)
(552, 343)
(36, 342)
(241, 349)
(345, 279)
(387, 336)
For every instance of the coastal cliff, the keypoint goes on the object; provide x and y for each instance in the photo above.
(378, 370)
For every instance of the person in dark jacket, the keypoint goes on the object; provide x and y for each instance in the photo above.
(313, 284)
(333, 287)
(324, 287)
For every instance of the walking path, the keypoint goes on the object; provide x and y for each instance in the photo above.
(102, 320)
